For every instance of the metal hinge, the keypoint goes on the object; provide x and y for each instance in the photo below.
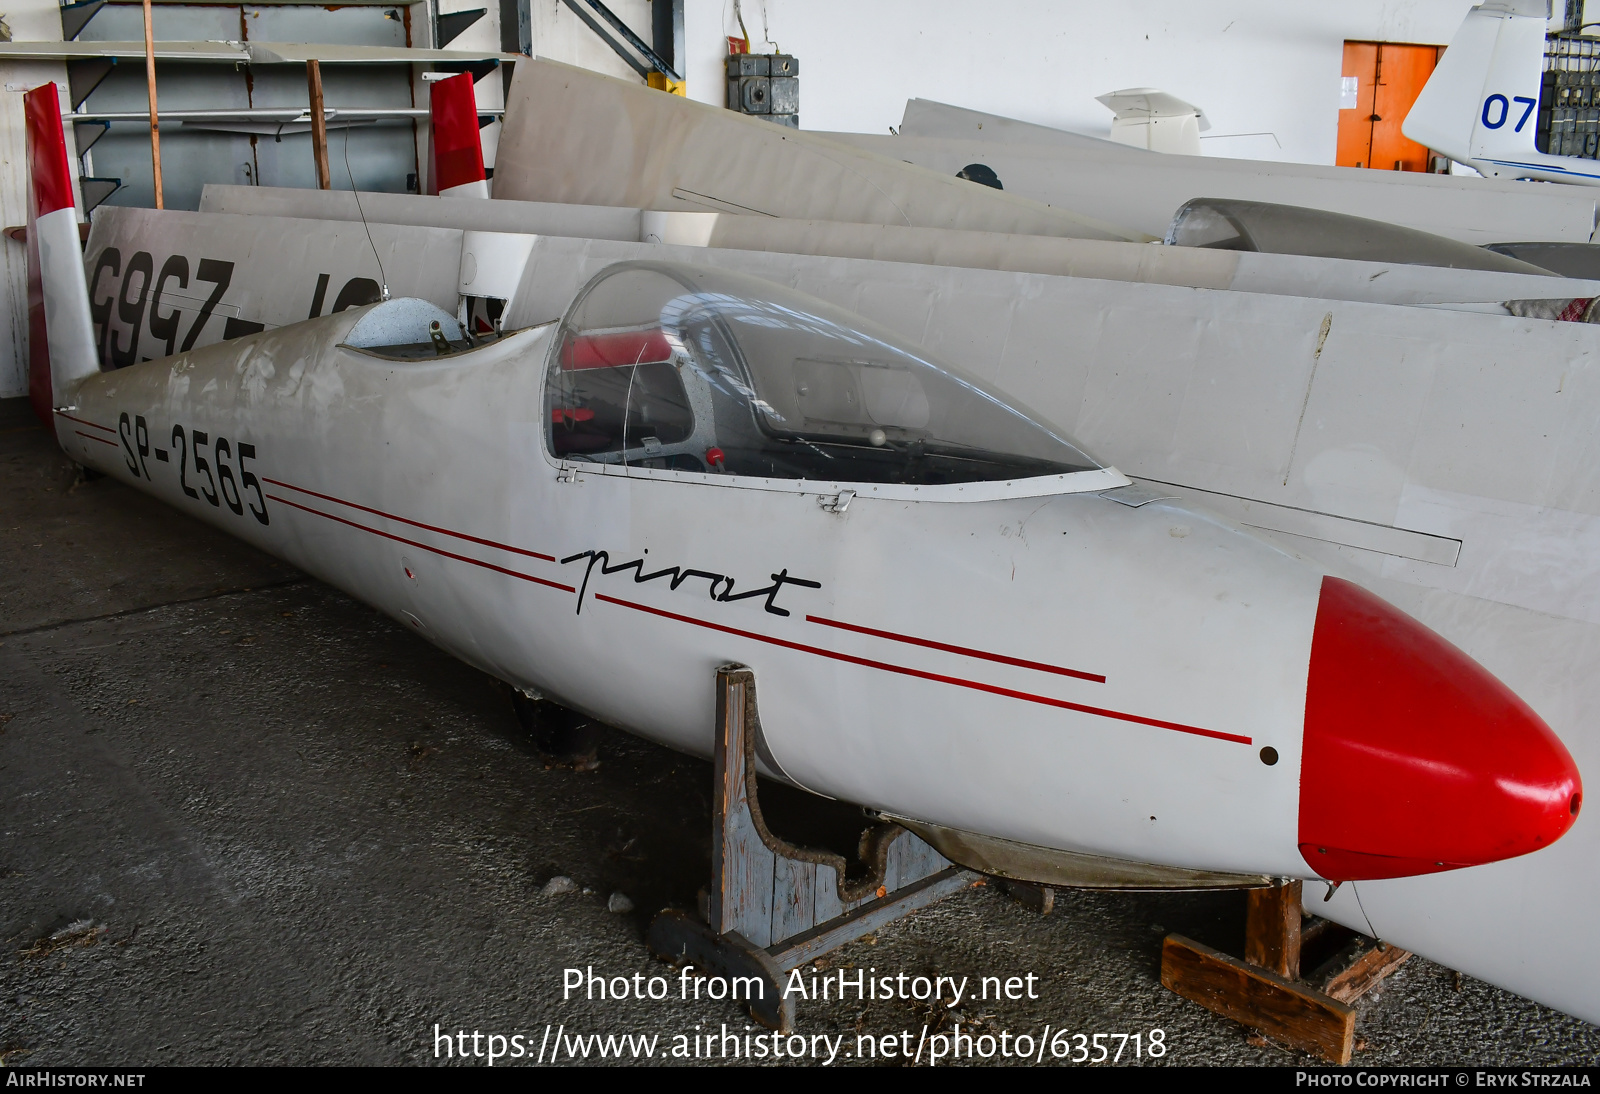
(566, 474)
(839, 502)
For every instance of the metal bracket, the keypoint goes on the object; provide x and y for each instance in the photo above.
(837, 503)
(84, 134)
(479, 69)
(566, 474)
(653, 62)
(85, 75)
(96, 190)
(74, 17)
(448, 25)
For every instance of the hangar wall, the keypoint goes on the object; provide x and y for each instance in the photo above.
(556, 34)
(1266, 73)
(1254, 66)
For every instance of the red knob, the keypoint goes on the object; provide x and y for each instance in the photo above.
(714, 457)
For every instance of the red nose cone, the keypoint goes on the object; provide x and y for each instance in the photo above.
(1416, 759)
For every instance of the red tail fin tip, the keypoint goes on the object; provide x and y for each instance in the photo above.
(61, 342)
(50, 190)
(50, 168)
(457, 152)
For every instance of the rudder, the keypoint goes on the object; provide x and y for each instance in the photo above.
(61, 345)
(1482, 100)
(457, 151)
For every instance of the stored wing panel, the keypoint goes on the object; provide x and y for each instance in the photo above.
(667, 152)
(1145, 193)
(526, 217)
(1289, 275)
(192, 279)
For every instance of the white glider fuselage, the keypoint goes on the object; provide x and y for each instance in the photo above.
(944, 667)
(967, 623)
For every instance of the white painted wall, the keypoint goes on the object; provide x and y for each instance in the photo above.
(1254, 66)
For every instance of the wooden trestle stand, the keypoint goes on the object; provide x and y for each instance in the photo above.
(774, 906)
(1266, 990)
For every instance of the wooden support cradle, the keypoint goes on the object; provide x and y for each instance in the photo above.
(774, 906)
(1266, 992)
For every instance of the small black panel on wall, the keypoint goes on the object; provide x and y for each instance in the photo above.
(766, 85)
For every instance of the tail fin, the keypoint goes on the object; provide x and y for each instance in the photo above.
(457, 152)
(61, 345)
(1482, 101)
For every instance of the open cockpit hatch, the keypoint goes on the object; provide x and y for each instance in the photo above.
(408, 329)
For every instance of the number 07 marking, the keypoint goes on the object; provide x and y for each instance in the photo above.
(1527, 109)
(1526, 103)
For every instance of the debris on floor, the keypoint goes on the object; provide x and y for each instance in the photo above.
(84, 932)
(558, 886)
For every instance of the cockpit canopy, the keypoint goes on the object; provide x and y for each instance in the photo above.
(679, 367)
(1233, 224)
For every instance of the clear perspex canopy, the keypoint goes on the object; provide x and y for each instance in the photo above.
(1233, 224)
(678, 367)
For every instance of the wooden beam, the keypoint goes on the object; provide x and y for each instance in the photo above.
(773, 906)
(1272, 928)
(1365, 972)
(1285, 1011)
(826, 937)
(150, 77)
(319, 123)
(741, 866)
(688, 943)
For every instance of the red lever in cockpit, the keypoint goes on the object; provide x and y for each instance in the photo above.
(562, 415)
(715, 458)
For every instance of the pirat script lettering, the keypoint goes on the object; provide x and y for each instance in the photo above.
(720, 588)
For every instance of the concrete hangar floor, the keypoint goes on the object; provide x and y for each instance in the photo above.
(246, 819)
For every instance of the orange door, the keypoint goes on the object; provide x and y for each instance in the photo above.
(1355, 124)
(1388, 78)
